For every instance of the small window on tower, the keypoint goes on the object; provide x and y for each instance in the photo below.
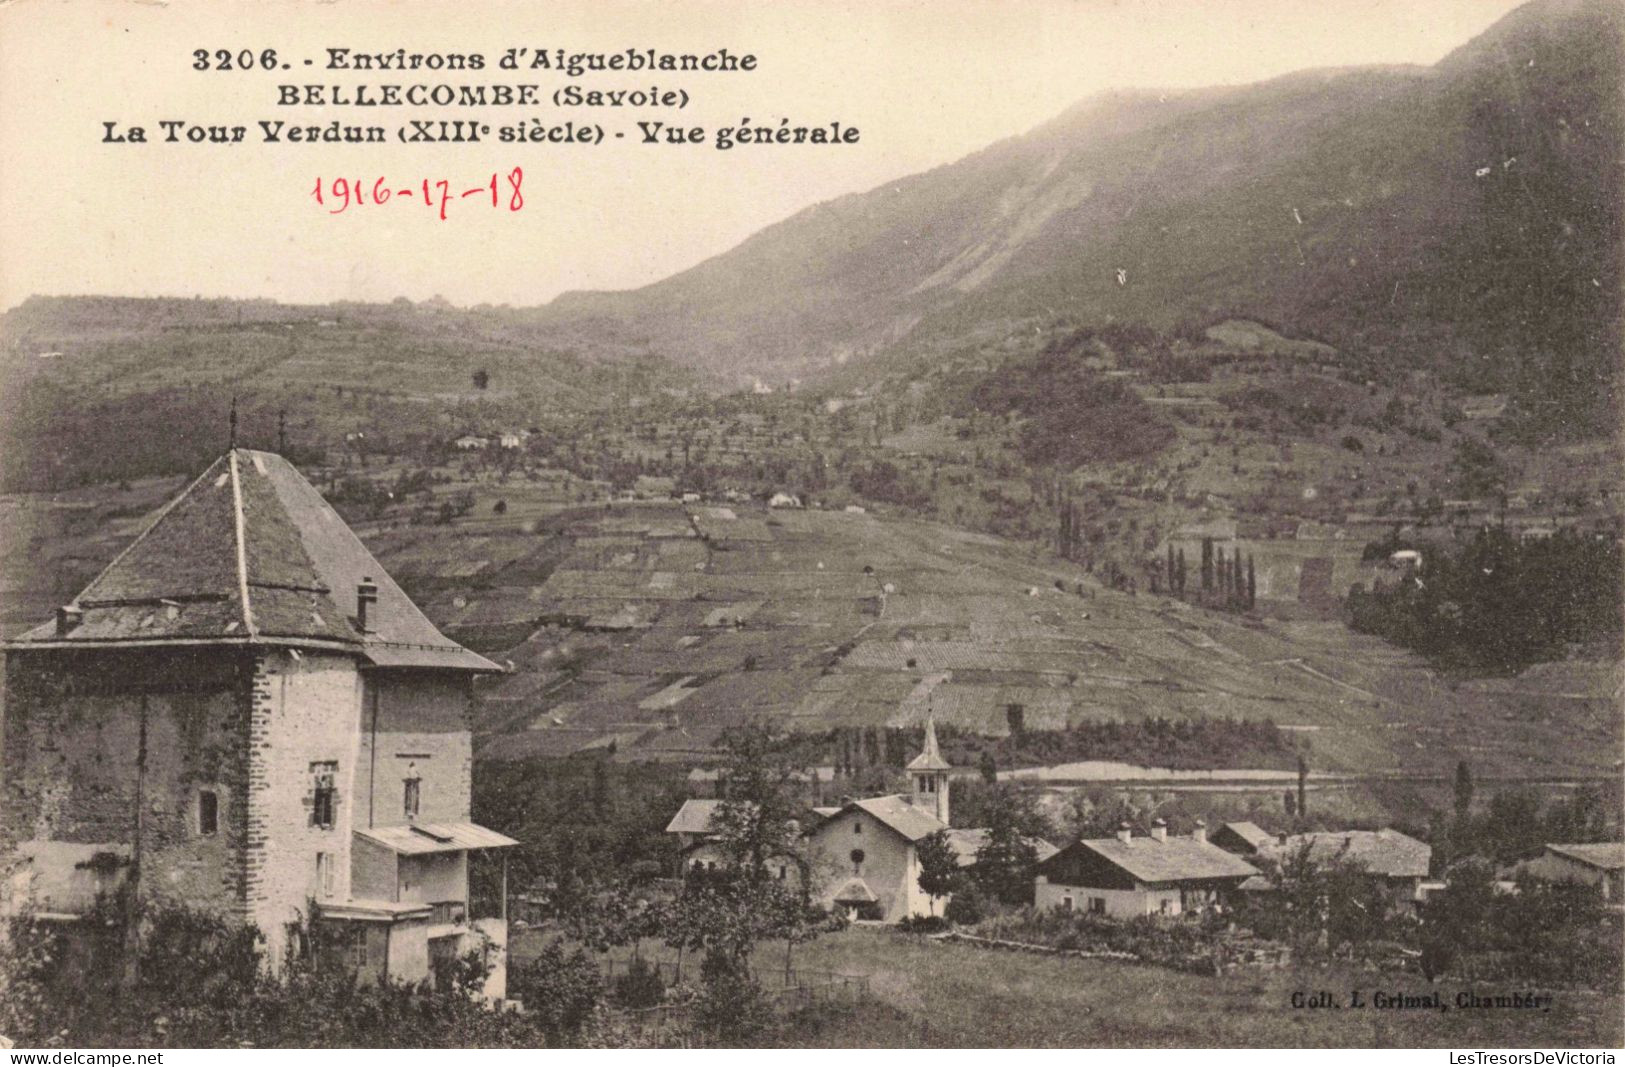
(323, 786)
(208, 811)
(325, 877)
(857, 826)
(413, 791)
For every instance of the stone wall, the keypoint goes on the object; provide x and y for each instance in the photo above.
(306, 711)
(422, 730)
(114, 748)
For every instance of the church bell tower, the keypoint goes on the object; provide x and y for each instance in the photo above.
(929, 773)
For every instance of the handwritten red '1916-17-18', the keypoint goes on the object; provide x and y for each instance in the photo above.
(338, 195)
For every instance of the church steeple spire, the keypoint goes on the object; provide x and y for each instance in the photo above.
(929, 772)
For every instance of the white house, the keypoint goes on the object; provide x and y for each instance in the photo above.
(1125, 876)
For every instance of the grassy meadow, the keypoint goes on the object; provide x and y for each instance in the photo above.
(937, 994)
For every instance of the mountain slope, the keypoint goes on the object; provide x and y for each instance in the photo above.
(1464, 215)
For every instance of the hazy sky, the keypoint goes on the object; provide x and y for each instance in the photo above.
(924, 82)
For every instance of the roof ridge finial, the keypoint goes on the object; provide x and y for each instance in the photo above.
(231, 445)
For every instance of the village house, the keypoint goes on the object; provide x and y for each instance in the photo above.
(1400, 862)
(1125, 876)
(1241, 838)
(245, 715)
(696, 833)
(1601, 865)
(471, 442)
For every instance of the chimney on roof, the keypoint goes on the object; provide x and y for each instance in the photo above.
(1280, 838)
(1124, 832)
(68, 618)
(1199, 834)
(366, 599)
(1159, 830)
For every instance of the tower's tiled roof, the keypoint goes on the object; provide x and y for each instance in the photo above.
(251, 552)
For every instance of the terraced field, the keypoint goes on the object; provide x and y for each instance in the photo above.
(653, 626)
(663, 624)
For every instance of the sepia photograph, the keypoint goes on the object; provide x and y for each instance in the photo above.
(908, 524)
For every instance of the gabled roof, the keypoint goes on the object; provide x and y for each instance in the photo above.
(1607, 856)
(966, 843)
(931, 758)
(1385, 852)
(250, 552)
(694, 817)
(1177, 859)
(1251, 833)
(898, 814)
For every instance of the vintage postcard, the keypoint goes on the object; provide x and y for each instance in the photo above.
(816, 524)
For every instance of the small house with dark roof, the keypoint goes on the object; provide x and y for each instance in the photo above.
(244, 714)
(1125, 876)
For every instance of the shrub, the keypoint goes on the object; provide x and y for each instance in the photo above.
(923, 924)
(202, 985)
(560, 990)
(731, 1009)
(640, 986)
(965, 909)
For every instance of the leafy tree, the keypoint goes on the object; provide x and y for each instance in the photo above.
(1006, 861)
(988, 768)
(1476, 470)
(1464, 791)
(725, 913)
(760, 818)
(940, 875)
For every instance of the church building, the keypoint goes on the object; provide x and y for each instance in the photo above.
(865, 850)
